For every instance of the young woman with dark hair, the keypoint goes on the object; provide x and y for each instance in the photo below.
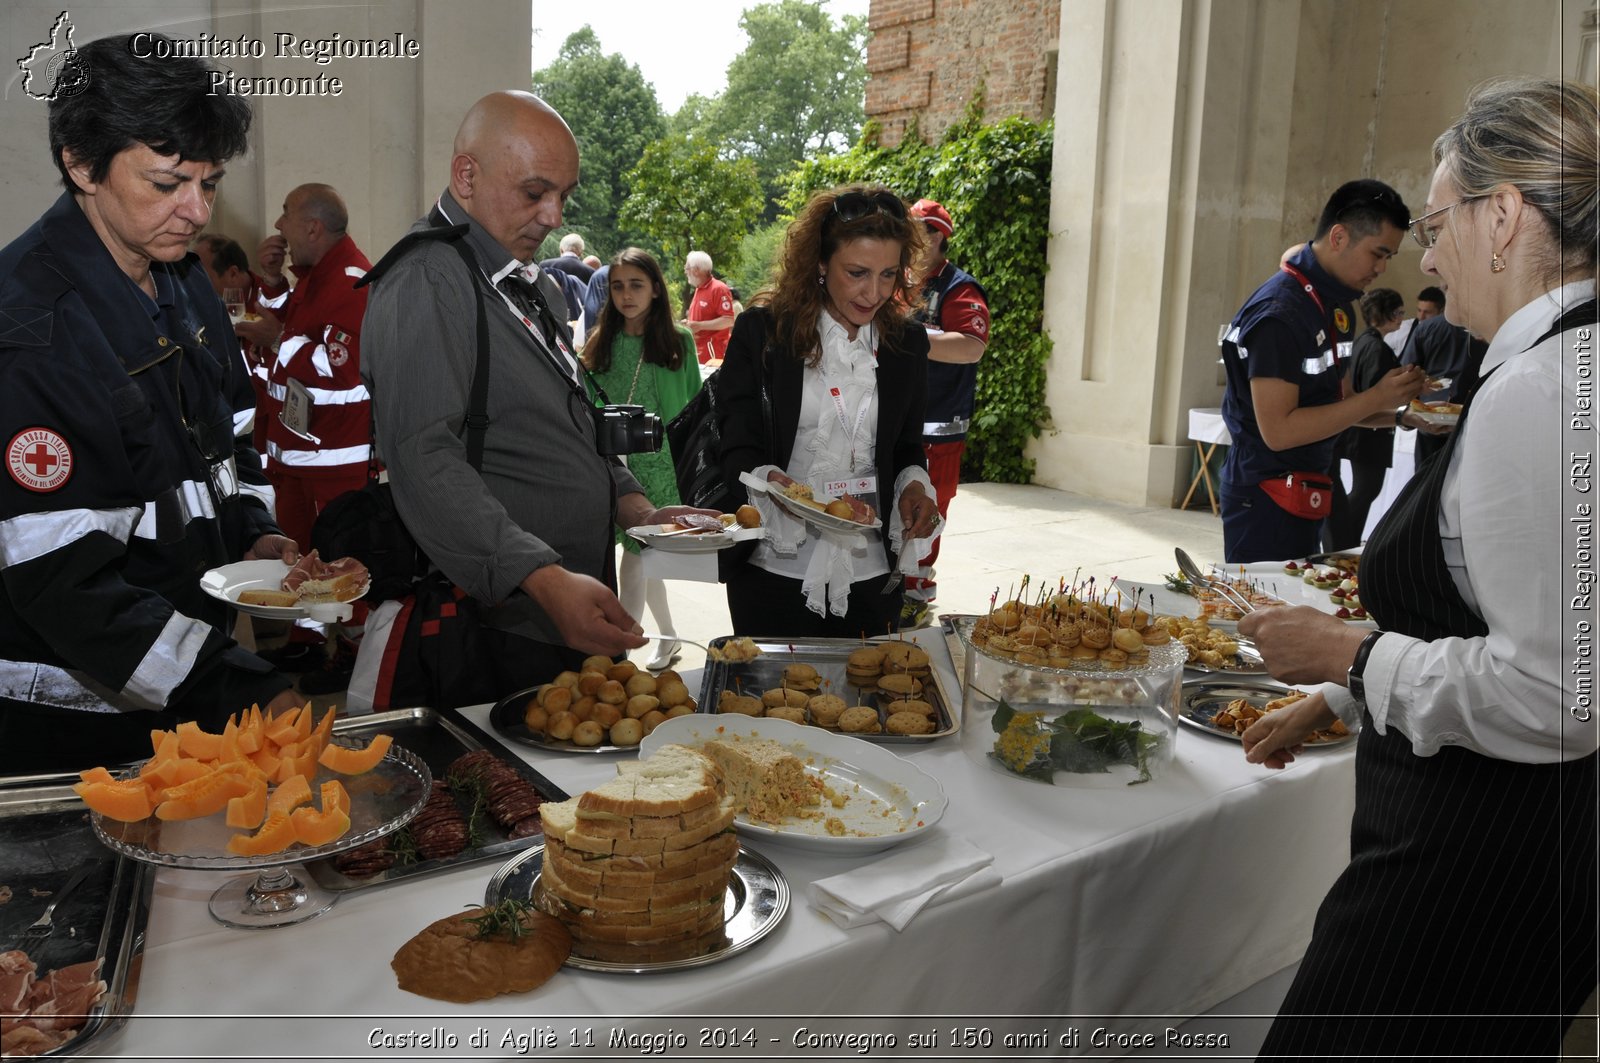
(639, 356)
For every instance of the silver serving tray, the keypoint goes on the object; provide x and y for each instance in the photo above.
(44, 835)
(756, 902)
(438, 738)
(828, 657)
(1246, 662)
(1204, 698)
(507, 719)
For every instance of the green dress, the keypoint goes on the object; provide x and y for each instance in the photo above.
(664, 392)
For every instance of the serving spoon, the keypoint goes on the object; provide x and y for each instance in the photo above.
(1187, 566)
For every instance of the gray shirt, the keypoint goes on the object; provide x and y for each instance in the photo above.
(545, 495)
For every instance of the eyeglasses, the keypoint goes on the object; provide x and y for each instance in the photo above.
(1425, 235)
(853, 206)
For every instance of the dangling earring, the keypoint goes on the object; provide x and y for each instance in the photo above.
(1496, 263)
(822, 278)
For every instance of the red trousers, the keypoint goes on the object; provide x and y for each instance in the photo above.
(944, 469)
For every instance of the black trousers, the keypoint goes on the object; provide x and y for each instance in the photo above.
(763, 604)
(1464, 925)
(1350, 508)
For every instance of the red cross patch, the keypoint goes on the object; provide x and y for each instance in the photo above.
(38, 459)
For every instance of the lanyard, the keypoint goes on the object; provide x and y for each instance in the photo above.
(565, 362)
(852, 434)
(1307, 287)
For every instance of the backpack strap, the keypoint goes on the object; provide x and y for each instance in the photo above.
(477, 423)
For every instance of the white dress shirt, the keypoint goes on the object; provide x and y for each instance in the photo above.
(826, 449)
(1506, 519)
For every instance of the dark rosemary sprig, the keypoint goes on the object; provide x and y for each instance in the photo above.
(504, 919)
(472, 788)
(403, 844)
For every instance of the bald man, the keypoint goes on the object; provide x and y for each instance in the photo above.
(527, 535)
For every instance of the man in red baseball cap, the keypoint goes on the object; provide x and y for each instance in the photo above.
(955, 312)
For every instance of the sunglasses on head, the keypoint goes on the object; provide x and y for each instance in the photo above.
(852, 206)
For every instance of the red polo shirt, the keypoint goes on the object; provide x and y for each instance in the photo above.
(708, 302)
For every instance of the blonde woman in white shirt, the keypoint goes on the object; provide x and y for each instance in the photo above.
(824, 384)
(1471, 886)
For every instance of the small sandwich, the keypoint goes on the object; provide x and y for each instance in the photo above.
(315, 580)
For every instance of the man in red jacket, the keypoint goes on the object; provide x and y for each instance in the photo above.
(318, 413)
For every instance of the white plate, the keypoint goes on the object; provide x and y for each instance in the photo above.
(889, 799)
(1436, 418)
(228, 582)
(651, 535)
(824, 521)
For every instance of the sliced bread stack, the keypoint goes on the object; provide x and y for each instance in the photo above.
(643, 859)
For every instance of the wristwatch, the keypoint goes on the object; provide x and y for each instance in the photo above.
(1352, 678)
(1400, 418)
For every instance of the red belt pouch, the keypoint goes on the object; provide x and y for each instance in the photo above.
(1307, 495)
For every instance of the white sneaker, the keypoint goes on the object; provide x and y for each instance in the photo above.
(666, 653)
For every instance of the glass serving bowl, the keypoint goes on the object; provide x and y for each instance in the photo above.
(1088, 724)
(381, 801)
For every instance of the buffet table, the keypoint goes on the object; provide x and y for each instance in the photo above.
(1122, 910)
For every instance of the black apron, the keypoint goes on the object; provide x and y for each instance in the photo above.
(1464, 925)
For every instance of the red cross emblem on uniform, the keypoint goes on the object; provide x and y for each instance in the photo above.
(39, 459)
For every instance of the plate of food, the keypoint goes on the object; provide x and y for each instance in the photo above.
(606, 707)
(1227, 708)
(756, 900)
(810, 788)
(698, 533)
(1436, 412)
(846, 513)
(276, 591)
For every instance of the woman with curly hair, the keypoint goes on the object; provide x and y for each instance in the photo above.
(823, 387)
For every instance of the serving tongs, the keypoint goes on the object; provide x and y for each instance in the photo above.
(1223, 588)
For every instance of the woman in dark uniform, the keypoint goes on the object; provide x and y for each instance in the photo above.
(1465, 924)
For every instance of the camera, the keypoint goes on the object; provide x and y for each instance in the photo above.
(626, 430)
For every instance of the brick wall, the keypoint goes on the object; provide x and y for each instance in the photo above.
(925, 59)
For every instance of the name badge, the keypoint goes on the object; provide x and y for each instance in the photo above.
(860, 487)
(296, 413)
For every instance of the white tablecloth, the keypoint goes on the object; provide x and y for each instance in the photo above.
(1159, 900)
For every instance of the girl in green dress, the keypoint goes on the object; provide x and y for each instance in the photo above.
(641, 357)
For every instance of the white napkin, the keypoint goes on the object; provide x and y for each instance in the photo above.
(896, 888)
(831, 570)
(785, 533)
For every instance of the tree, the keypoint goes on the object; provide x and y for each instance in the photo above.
(797, 90)
(614, 114)
(687, 197)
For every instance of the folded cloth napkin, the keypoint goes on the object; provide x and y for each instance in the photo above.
(831, 569)
(896, 888)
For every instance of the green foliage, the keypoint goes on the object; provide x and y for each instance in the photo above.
(687, 197)
(995, 181)
(752, 267)
(613, 113)
(797, 91)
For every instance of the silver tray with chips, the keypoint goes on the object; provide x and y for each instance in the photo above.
(830, 658)
(437, 738)
(1204, 698)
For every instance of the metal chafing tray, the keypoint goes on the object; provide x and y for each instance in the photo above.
(828, 657)
(44, 836)
(438, 737)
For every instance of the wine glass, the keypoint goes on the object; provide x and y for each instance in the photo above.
(233, 299)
